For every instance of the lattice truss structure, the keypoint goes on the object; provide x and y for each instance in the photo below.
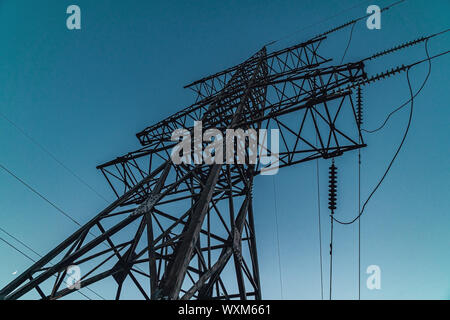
(187, 231)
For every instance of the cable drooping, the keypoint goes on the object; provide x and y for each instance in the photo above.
(332, 198)
(393, 159)
(349, 41)
(405, 103)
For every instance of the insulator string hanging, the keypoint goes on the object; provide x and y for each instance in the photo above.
(359, 107)
(332, 189)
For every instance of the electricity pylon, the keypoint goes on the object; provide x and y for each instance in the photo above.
(187, 231)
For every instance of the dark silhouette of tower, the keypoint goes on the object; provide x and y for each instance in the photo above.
(187, 231)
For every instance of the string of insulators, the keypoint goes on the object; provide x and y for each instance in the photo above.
(377, 77)
(337, 28)
(386, 74)
(396, 48)
(332, 188)
(359, 108)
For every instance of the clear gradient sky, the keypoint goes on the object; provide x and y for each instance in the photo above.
(84, 94)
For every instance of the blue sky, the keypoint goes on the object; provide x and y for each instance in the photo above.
(85, 94)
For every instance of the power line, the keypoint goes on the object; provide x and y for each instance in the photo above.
(39, 194)
(317, 23)
(358, 19)
(348, 43)
(51, 155)
(359, 222)
(21, 242)
(17, 249)
(331, 256)
(278, 237)
(399, 108)
(332, 189)
(45, 150)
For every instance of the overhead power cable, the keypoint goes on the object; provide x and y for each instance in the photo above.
(400, 107)
(32, 250)
(39, 195)
(331, 17)
(318, 23)
(359, 224)
(348, 43)
(404, 45)
(320, 224)
(360, 122)
(17, 249)
(51, 155)
(278, 236)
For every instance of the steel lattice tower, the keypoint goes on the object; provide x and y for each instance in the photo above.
(187, 231)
